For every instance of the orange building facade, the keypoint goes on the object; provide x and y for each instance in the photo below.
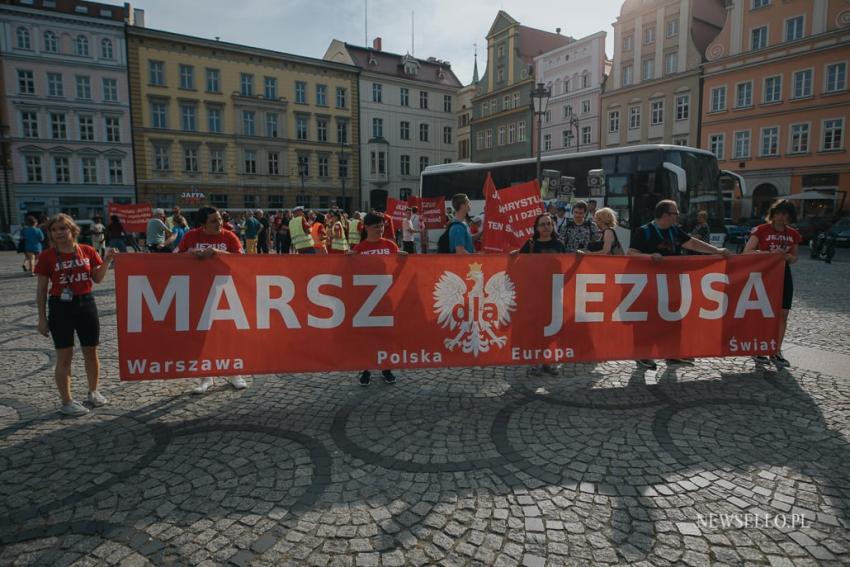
(776, 102)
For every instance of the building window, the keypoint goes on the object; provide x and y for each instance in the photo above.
(404, 130)
(488, 138)
(836, 77)
(113, 129)
(649, 35)
(683, 107)
(672, 28)
(106, 51)
(585, 107)
(833, 134)
(29, 123)
(423, 163)
(377, 128)
(404, 165)
(62, 170)
(86, 128)
(547, 117)
(321, 95)
(271, 124)
(566, 138)
(301, 127)
(500, 140)
(116, 172)
(84, 88)
(324, 170)
(628, 75)
(423, 99)
(656, 115)
(479, 141)
(342, 132)
(770, 141)
(613, 121)
(274, 163)
(404, 96)
(26, 82)
(648, 69)
(758, 38)
(250, 201)
(275, 201)
(110, 90)
(213, 81)
(506, 102)
(423, 132)
(159, 115)
(187, 77)
(803, 83)
(160, 158)
(340, 97)
(547, 142)
(760, 3)
(634, 117)
(628, 42)
(188, 117)
(744, 95)
(742, 145)
(447, 135)
(58, 127)
(585, 80)
(585, 135)
(246, 84)
(447, 102)
(521, 134)
(516, 100)
(270, 88)
(248, 123)
(218, 201)
(343, 167)
(304, 166)
(379, 163)
(799, 138)
(794, 29)
(772, 89)
(23, 37)
(217, 161)
(250, 161)
(718, 99)
(716, 143)
(322, 129)
(511, 134)
(156, 73)
(89, 167)
(671, 63)
(54, 85)
(81, 46)
(214, 120)
(50, 43)
(377, 93)
(33, 169)
(500, 75)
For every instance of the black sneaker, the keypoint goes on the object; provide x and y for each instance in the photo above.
(365, 377)
(681, 361)
(761, 359)
(388, 375)
(779, 360)
(647, 363)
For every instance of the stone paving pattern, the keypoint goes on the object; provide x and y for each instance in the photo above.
(602, 465)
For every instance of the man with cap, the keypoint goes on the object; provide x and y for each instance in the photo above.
(299, 231)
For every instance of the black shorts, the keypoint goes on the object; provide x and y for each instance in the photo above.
(78, 315)
(787, 289)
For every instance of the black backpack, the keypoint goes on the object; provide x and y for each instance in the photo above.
(443, 246)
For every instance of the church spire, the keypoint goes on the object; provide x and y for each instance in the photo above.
(475, 70)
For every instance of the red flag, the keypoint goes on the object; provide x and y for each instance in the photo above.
(396, 209)
(509, 215)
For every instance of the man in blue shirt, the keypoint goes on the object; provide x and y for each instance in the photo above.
(460, 239)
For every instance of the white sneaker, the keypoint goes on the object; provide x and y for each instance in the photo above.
(203, 385)
(73, 409)
(96, 399)
(238, 383)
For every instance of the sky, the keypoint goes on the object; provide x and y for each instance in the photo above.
(445, 29)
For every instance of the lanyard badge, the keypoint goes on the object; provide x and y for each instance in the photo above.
(66, 295)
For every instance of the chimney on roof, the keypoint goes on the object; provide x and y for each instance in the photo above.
(558, 31)
(376, 44)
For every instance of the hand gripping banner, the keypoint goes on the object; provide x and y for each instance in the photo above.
(180, 316)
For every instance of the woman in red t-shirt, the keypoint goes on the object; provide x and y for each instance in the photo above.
(70, 269)
(776, 237)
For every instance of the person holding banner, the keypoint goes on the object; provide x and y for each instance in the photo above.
(375, 243)
(775, 236)
(661, 238)
(71, 269)
(207, 241)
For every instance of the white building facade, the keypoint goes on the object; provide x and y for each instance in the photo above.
(408, 118)
(574, 74)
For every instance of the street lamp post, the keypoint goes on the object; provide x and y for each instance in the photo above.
(539, 100)
(341, 176)
(572, 117)
(301, 174)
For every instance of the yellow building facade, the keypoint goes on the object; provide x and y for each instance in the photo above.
(239, 127)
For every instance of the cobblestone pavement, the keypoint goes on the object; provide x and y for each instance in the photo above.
(602, 465)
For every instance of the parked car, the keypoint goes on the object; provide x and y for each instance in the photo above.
(7, 242)
(809, 227)
(841, 231)
(738, 233)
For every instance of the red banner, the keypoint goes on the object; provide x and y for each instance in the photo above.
(509, 215)
(134, 217)
(432, 210)
(396, 210)
(180, 316)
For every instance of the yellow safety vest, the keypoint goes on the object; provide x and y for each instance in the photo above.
(300, 239)
(353, 232)
(338, 243)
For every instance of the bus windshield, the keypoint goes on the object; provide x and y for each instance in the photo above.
(703, 193)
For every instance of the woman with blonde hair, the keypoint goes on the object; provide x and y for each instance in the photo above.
(70, 269)
(606, 220)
